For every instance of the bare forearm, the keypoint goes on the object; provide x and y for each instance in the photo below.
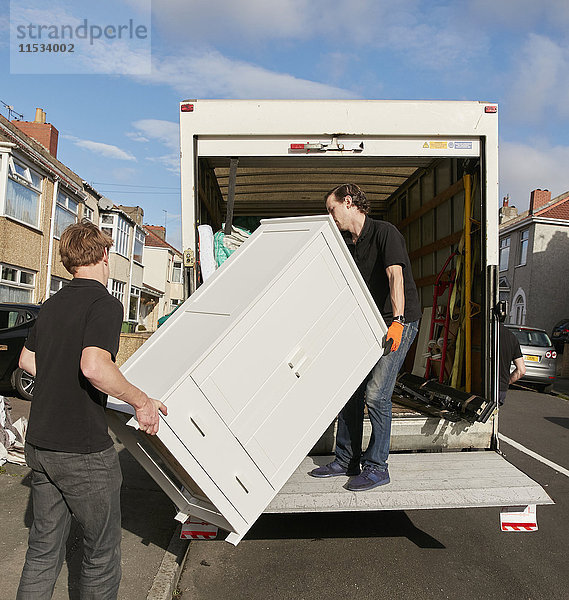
(28, 361)
(396, 289)
(108, 379)
(519, 371)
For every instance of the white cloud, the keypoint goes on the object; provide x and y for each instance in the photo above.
(204, 20)
(209, 74)
(165, 132)
(540, 80)
(433, 36)
(171, 162)
(526, 167)
(106, 150)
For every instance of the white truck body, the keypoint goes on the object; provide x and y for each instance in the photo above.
(277, 159)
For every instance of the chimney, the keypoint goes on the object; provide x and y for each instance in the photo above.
(538, 199)
(134, 212)
(507, 212)
(157, 230)
(44, 133)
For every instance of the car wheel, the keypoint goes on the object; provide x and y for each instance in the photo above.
(23, 383)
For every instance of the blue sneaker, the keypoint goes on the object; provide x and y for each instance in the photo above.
(370, 477)
(333, 469)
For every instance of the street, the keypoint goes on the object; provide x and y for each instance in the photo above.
(456, 554)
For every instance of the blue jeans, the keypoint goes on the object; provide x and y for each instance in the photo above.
(87, 486)
(378, 388)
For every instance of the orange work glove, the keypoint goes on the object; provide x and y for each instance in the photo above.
(394, 333)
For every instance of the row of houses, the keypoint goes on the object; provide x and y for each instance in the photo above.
(534, 260)
(40, 197)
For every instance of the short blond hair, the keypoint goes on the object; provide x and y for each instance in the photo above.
(83, 244)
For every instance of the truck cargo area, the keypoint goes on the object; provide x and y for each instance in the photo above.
(425, 198)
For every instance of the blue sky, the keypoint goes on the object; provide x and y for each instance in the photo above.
(120, 131)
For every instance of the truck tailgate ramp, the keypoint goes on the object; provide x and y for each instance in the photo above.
(253, 368)
(418, 481)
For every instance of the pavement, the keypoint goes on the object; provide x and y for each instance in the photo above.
(561, 386)
(152, 553)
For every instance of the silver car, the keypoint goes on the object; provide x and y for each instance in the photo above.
(539, 356)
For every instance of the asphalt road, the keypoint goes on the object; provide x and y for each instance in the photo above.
(455, 554)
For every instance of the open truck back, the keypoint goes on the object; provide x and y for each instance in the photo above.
(430, 168)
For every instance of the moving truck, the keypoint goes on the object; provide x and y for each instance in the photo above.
(431, 169)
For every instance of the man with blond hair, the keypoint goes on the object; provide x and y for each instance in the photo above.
(379, 252)
(75, 468)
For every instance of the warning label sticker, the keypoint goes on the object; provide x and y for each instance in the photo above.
(438, 145)
(448, 145)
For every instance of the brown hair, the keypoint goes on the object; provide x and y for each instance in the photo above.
(83, 244)
(357, 194)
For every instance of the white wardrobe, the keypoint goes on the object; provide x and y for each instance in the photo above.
(253, 368)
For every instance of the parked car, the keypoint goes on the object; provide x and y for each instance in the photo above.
(16, 320)
(560, 335)
(539, 356)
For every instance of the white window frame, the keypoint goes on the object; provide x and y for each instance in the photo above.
(67, 207)
(88, 213)
(519, 310)
(59, 283)
(119, 230)
(134, 293)
(524, 245)
(21, 173)
(139, 237)
(177, 262)
(116, 288)
(174, 303)
(18, 283)
(505, 244)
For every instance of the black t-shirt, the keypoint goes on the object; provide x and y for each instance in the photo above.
(67, 412)
(509, 351)
(381, 245)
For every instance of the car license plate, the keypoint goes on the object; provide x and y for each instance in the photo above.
(531, 357)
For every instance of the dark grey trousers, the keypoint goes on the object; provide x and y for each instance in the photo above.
(87, 486)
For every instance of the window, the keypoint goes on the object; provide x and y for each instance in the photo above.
(519, 310)
(123, 231)
(134, 304)
(524, 241)
(175, 303)
(504, 253)
(117, 289)
(139, 236)
(23, 193)
(88, 213)
(16, 285)
(532, 337)
(177, 272)
(118, 228)
(56, 284)
(10, 317)
(66, 210)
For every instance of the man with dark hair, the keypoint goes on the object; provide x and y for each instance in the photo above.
(509, 352)
(75, 468)
(380, 254)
